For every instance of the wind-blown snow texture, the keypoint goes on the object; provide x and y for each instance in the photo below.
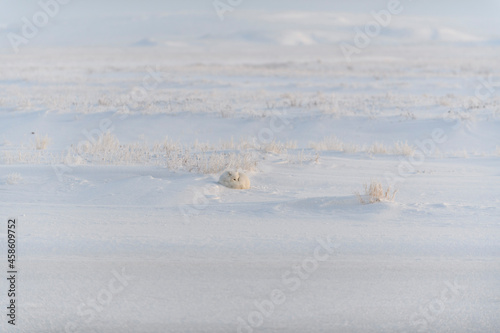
(128, 235)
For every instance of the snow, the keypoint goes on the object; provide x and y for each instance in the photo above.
(123, 226)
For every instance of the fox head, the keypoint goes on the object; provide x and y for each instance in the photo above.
(233, 176)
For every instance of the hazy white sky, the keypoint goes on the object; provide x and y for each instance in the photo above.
(12, 9)
(122, 22)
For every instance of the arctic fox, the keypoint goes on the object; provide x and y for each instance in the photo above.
(236, 180)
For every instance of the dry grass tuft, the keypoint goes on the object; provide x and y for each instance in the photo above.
(375, 192)
(378, 149)
(14, 178)
(403, 148)
(329, 143)
(301, 158)
(277, 147)
(42, 142)
(199, 158)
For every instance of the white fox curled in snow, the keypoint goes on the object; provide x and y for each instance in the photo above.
(235, 180)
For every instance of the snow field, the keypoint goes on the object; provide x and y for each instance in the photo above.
(123, 226)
